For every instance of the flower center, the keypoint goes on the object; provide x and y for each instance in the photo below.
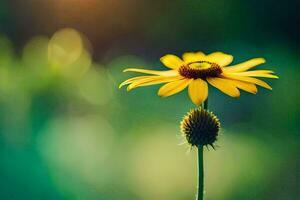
(200, 69)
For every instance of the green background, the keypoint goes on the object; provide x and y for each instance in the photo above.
(70, 133)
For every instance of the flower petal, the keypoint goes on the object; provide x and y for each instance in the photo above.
(246, 86)
(128, 81)
(225, 86)
(244, 66)
(189, 57)
(258, 71)
(152, 81)
(198, 91)
(171, 61)
(173, 87)
(155, 72)
(220, 58)
(248, 79)
(255, 73)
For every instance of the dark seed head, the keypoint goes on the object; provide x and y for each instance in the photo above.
(193, 73)
(200, 127)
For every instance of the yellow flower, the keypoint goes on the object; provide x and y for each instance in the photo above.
(195, 69)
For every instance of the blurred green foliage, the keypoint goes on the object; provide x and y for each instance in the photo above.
(68, 132)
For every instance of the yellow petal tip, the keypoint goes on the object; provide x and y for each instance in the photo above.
(129, 88)
(122, 84)
(263, 60)
(268, 87)
(160, 95)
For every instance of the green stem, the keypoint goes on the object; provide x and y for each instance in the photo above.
(200, 173)
(200, 164)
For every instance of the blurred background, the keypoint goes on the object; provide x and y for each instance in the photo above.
(68, 132)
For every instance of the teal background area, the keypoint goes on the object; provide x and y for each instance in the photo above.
(70, 133)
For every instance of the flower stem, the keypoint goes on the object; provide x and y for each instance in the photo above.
(200, 164)
(200, 173)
